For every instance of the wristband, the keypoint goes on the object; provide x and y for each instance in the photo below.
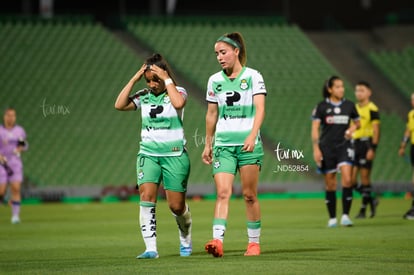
(168, 81)
(374, 146)
(405, 139)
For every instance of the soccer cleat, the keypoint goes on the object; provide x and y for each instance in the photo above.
(253, 249)
(332, 222)
(15, 220)
(409, 215)
(148, 255)
(374, 203)
(214, 247)
(185, 251)
(361, 214)
(346, 221)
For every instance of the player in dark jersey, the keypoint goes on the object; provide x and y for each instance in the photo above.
(332, 151)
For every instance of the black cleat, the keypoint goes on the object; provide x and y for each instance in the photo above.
(361, 214)
(374, 204)
(409, 215)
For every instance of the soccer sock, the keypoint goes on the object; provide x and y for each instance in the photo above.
(253, 231)
(330, 200)
(15, 208)
(219, 228)
(346, 200)
(184, 222)
(148, 224)
(366, 196)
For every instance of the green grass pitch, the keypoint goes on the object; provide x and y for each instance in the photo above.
(104, 238)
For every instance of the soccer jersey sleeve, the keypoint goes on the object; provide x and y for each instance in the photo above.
(182, 91)
(135, 98)
(354, 115)
(374, 113)
(258, 84)
(210, 96)
(316, 113)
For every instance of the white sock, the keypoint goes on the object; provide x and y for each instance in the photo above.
(219, 228)
(148, 224)
(253, 231)
(184, 223)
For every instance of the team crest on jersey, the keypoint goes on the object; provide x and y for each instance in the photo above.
(140, 175)
(243, 84)
(216, 164)
(337, 110)
(167, 99)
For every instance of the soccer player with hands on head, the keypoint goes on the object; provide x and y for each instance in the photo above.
(162, 156)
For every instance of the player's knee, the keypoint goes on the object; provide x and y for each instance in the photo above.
(250, 197)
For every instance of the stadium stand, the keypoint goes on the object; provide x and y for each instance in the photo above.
(398, 66)
(63, 78)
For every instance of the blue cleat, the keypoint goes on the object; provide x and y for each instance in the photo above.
(148, 255)
(346, 221)
(185, 251)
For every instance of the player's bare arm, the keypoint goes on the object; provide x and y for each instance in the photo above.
(317, 154)
(211, 120)
(123, 103)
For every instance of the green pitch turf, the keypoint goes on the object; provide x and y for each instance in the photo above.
(104, 238)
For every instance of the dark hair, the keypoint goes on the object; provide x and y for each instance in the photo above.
(238, 38)
(364, 83)
(157, 59)
(328, 84)
(8, 108)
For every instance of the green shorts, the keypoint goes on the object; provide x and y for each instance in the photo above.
(173, 172)
(229, 159)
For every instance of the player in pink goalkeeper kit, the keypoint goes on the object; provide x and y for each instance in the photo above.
(12, 143)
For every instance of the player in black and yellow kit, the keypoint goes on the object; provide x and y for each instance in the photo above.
(409, 136)
(365, 141)
(332, 151)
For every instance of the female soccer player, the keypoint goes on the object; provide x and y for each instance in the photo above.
(235, 112)
(365, 141)
(162, 156)
(409, 136)
(12, 144)
(332, 148)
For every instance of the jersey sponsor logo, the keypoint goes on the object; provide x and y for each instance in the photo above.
(232, 97)
(233, 116)
(218, 88)
(155, 110)
(262, 85)
(337, 119)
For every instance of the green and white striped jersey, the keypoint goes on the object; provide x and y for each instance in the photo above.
(236, 110)
(162, 132)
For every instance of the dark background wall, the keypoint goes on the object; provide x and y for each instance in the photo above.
(316, 14)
